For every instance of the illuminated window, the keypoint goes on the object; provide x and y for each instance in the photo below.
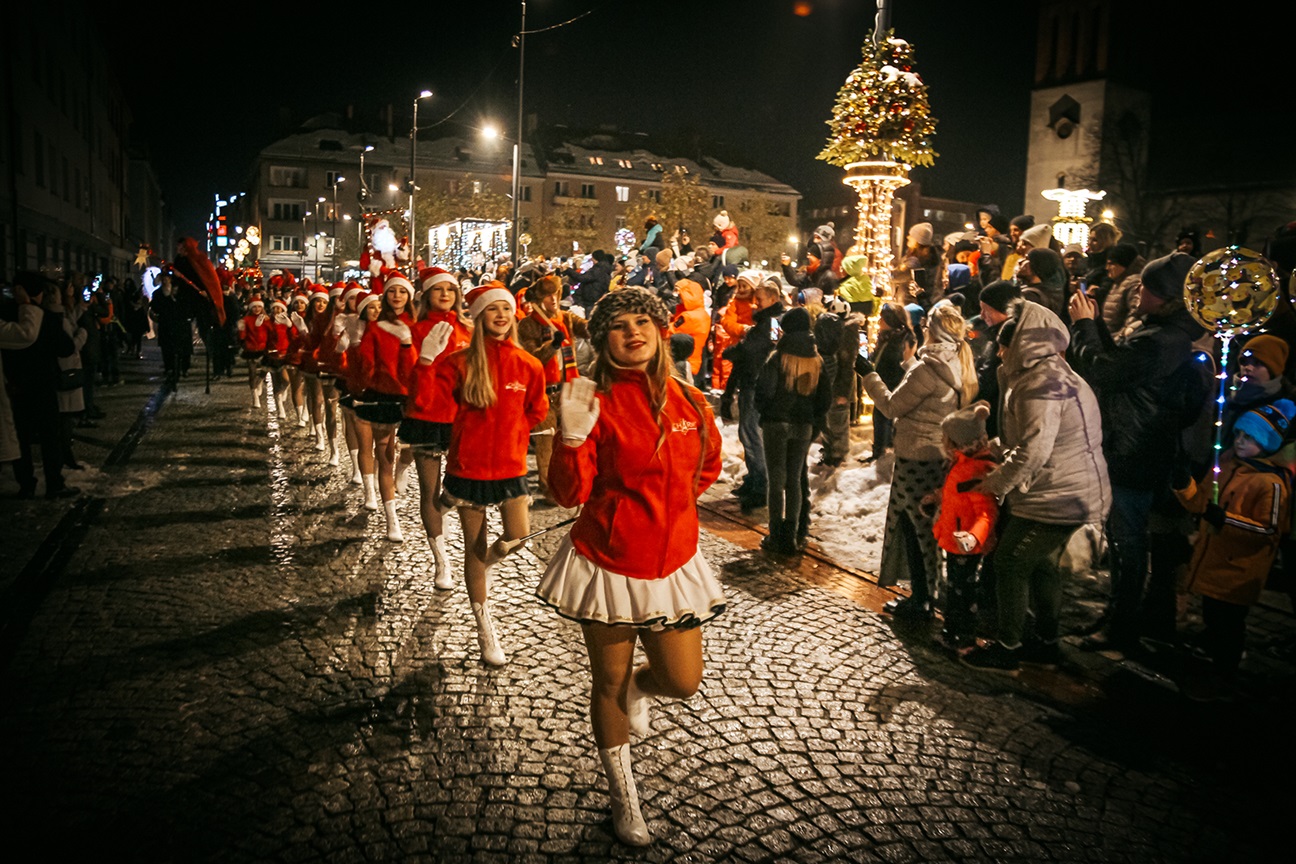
(285, 243)
(623, 193)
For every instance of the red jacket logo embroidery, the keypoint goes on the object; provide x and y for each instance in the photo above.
(683, 426)
(516, 386)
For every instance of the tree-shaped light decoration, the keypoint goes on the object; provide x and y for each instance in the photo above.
(1071, 225)
(881, 127)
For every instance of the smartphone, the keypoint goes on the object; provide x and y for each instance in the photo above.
(775, 330)
(864, 352)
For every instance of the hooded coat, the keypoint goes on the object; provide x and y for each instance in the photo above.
(856, 287)
(930, 389)
(693, 320)
(1051, 430)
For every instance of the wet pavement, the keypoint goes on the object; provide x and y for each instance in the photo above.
(214, 654)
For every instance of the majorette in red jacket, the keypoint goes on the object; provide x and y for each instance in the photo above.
(491, 443)
(332, 361)
(254, 333)
(316, 330)
(973, 512)
(640, 517)
(278, 338)
(386, 356)
(423, 403)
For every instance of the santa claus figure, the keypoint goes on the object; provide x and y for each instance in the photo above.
(386, 254)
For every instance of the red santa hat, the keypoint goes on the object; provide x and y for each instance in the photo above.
(485, 294)
(397, 280)
(278, 305)
(337, 289)
(430, 276)
(255, 302)
(373, 297)
(352, 293)
(320, 294)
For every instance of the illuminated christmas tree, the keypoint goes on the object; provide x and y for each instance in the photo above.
(881, 112)
(881, 127)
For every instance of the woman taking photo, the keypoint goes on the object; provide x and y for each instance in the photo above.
(499, 390)
(440, 331)
(386, 356)
(642, 446)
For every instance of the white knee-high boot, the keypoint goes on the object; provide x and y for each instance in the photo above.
(487, 639)
(393, 523)
(355, 466)
(321, 438)
(445, 580)
(626, 817)
(370, 491)
(258, 388)
(637, 702)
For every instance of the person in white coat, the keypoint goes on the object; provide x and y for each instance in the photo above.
(15, 335)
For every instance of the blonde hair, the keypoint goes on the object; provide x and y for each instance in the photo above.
(949, 320)
(801, 374)
(478, 387)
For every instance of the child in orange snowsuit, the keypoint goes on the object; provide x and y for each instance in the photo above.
(965, 526)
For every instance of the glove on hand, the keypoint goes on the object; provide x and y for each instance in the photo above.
(863, 366)
(339, 324)
(966, 542)
(1180, 475)
(578, 411)
(343, 342)
(1214, 515)
(558, 338)
(298, 321)
(435, 342)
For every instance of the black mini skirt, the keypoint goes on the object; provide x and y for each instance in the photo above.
(425, 435)
(481, 493)
(385, 409)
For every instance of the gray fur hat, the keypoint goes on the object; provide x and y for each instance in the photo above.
(966, 427)
(632, 300)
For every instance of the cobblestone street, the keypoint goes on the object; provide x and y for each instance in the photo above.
(216, 655)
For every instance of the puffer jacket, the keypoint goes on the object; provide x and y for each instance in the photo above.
(972, 511)
(929, 391)
(1232, 563)
(693, 320)
(1123, 298)
(1141, 391)
(857, 287)
(1053, 469)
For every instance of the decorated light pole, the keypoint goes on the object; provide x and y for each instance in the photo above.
(881, 128)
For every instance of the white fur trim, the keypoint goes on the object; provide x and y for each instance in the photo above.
(398, 329)
(437, 279)
(488, 297)
(323, 295)
(366, 300)
(393, 281)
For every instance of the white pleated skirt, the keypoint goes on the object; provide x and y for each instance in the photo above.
(579, 589)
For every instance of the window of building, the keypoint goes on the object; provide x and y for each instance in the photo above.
(655, 195)
(285, 243)
(524, 193)
(329, 211)
(596, 160)
(332, 178)
(623, 193)
(625, 163)
(717, 201)
(477, 187)
(293, 210)
(587, 190)
(525, 223)
(561, 188)
(620, 222)
(284, 175)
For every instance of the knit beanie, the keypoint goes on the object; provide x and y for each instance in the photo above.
(1123, 254)
(731, 270)
(1165, 277)
(826, 232)
(796, 339)
(921, 234)
(1267, 425)
(997, 295)
(1269, 351)
(967, 426)
(632, 300)
(1024, 222)
(1048, 266)
(663, 259)
(1038, 236)
(960, 275)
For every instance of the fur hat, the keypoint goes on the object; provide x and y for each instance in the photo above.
(1270, 351)
(631, 300)
(921, 234)
(967, 426)
(1267, 425)
(430, 276)
(484, 295)
(1165, 276)
(545, 286)
(1038, 236)
(826, 232)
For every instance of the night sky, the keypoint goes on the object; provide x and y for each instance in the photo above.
(753, 74)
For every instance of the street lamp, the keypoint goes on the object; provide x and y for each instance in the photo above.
(513, 243)
(336, 181)
(491, 133)
(413, 264)
(303, 243)
(320, 201)
(363, 194)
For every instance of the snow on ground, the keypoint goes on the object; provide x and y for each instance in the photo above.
(848, 504)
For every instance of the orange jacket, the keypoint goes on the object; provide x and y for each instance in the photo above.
(693, 321)
(491, 443)
(973, 512)
(422, 403)
(737, 318)
(640, 517)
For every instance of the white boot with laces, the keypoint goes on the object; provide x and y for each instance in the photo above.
(626, 817)
(487, 640)
(370, 491)
(393, 523)
(445, 580)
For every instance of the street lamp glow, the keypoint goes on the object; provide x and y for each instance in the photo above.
(490, 132)
(1109, 215)
(423, 94)
(794, 239)
(392, 187)
(368, 148)
(346, 217)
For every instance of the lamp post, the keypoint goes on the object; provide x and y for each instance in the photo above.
(413, 265)
(363, 194)
(513, 242)
(317, 235)
(491, 133)
(336, 181)
(303, 243)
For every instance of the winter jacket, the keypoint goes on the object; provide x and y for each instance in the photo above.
(1142, 391)
(640, 516)
(1050, 295)
(491, 443)
(1053, 469)
(387, 356)
(535, 334)
(14, 336)
(693, 321)
(278, 337)
(316, 331)
(1123, 298)
(822, 278)
(254, 331)
(890, 357)
(857, 287)
(928, 392)
(972, 511)
(777, 404)
(331, 360)
(749, 355)
(985, 358)
(33, 371)
(423, 403)
(1232, 563)
(589, 286)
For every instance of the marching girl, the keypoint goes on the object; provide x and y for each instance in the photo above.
(254, 333)
(640, 446)
(276, 355)
(321, 396)
(440, 331)
(368, 308)
(499, 390)
(386, 357)
(332, 354)
(297, 339)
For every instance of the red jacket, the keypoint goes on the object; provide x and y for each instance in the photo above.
(316, 330)
(331, 361)
(491, 443)
(254, 335)
(278, 337)
(973, 512)
(386, 356)
(423, 403)
(640, 517)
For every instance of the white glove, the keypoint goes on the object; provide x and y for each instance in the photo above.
(435, 342)
(343, 342)
(578, 411)
(260, 321)
(298, 321)
(339, 324)
(965, 541)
